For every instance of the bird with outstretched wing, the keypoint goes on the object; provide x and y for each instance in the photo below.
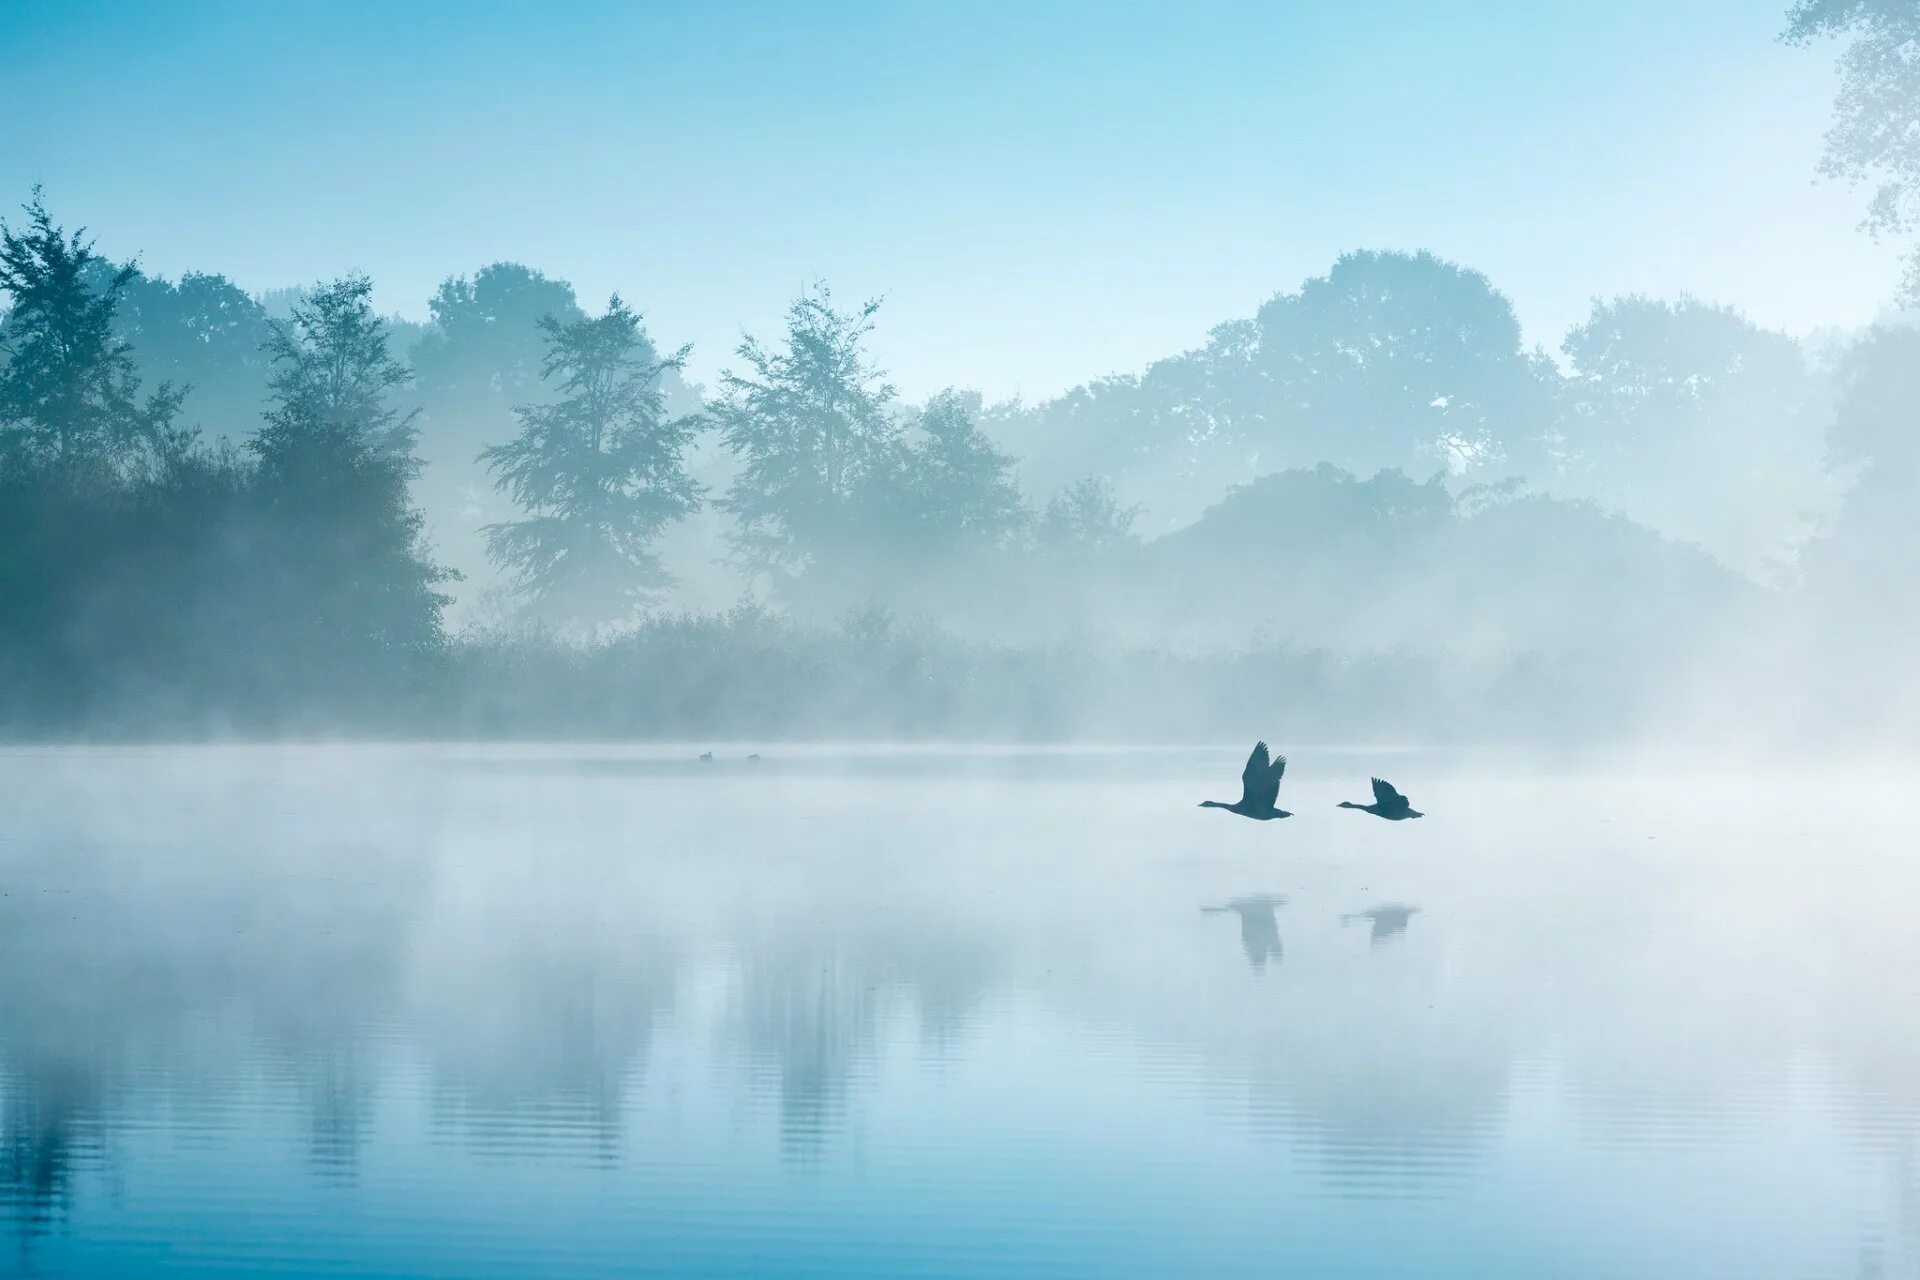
(1259, 787)
(1387, 803)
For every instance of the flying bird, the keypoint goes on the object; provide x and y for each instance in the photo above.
(1387, 803)
(1259, 787)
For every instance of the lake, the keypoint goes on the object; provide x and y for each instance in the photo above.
(512, 1011)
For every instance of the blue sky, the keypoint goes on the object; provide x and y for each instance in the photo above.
(1045, 192)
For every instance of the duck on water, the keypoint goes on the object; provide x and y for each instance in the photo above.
(1259, 788)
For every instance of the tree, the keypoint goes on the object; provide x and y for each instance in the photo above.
(1389, 360)
(600, 471)
(1864, 562)
(1693, 419)
(69, 395)
(1878, 422)
(811, 423)
(1176, 436)
(1325, 558)
(949, 489)
(486, 346)
(1859, 573)
(103, 503)
(1086, 517)
(346, 592)
(203, 335)
(478, 361)
(332, 381)
(1875, 138)
(1401, 360)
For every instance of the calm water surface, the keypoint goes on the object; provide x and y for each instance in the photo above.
(522, 1011)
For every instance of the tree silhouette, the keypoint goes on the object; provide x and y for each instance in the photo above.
(1174, 437)
(1086, 517)
(1859, 569)
(811, 423)
(204, 335)
(342, 580)
(1875, 138)
(69, 394)
(332, 381)
(1389, 360)
(948, 488)
(487, 346)
(1400, 360)
(600, 472)
(1660, 393)
(478, 360)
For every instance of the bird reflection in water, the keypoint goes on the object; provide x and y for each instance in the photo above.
(1389, 920)
(1259, 927)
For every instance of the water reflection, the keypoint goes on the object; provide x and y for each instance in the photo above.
(49, 1127)
(808, 1015)
(1259, 927)
(888, 994)
(814, 1005)
(1389, 920)
(534, 999)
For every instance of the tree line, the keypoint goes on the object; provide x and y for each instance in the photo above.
(209, 499)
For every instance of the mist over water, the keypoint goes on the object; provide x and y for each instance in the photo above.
(475, 1011)
(1395, 762)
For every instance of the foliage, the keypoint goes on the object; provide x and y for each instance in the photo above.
(1878, 421)
(331, 382)
(946, 489)
(487, 345)
(203, 335)
(1661, 393)
(69, 395)
(1860, 567)
(1389, 360)
(1333, 560)
(150, 581)
(345, 591)
(1172, 437)
(1875, 138)
(478, 360)
(1086, 517)
(1402, 360)
(599, 472)
(812, 424)
(750, 675)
